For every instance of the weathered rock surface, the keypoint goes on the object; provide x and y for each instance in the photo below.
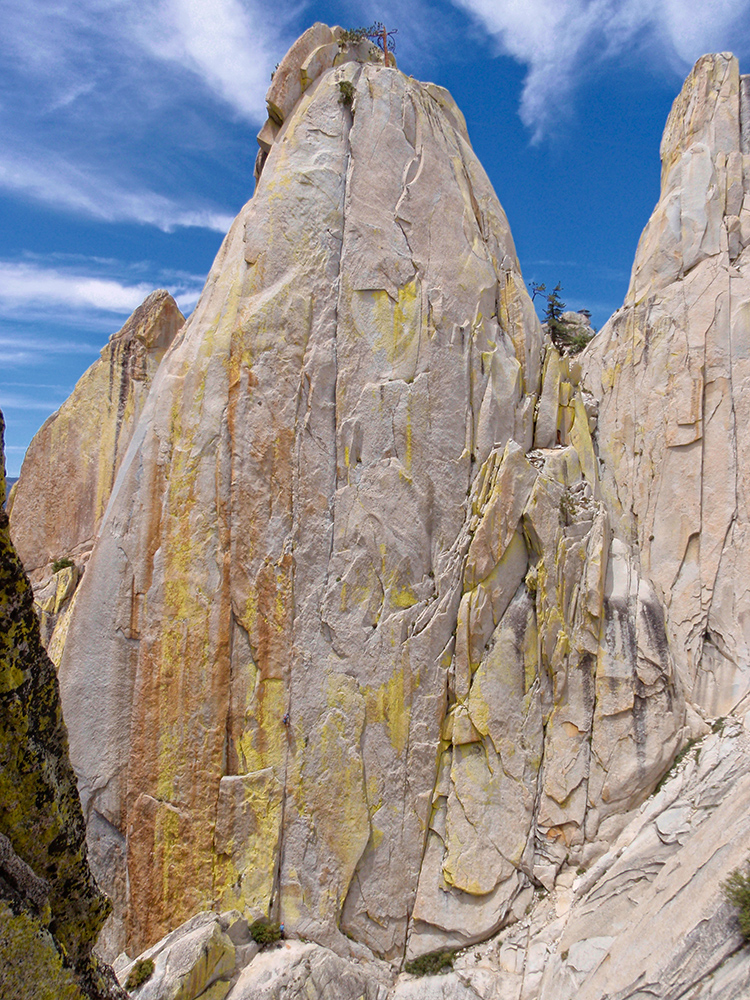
(671, 370)
(647, 919)
(297, 971)
(51, 910)
(198, 959)
(288, 533)
(71, 464)
(394, 611)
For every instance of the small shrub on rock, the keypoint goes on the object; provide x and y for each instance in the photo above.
(263, 932)
(430, 965)
(63, 563)
(736, 891)
(346, 97)
(141, 972)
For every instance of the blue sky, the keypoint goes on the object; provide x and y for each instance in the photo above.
(129, 142)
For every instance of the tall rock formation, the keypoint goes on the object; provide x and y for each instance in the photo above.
(386, 633)
(671, 370)
(51, 910)
(348, 651)
(70, 466)
(286, 537)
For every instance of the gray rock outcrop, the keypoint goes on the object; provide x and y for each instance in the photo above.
(670, 369)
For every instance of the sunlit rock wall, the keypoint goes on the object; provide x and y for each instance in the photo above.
(72, 462)
(289, 530)
(361, 644)
(671, 369)
(70, 466)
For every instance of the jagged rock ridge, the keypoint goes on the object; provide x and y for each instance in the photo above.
(671, 371)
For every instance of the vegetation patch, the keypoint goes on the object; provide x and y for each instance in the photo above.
(568, 338)
(141, 972)
(353, 35)
(736, 891)
(430, 965)
(680, 757)
(346, 96)
(63, 563)
(264, 932)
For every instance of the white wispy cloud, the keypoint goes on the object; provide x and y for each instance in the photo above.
(22, 348)
(32, 385)
(64, 185)
(14, 402)
(86, 83)
(22, 283)
(560, 40)
(78, 46)
(28, 289)
(231, 46)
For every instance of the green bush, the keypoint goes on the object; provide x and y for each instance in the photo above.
(63, 563)
(736, 891)
(141, 972)
(353, 35)
(569, 338)
(264, 932)
(430, 965)
(576, 342)
(347, 93)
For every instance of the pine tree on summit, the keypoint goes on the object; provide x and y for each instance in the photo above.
(568, 337)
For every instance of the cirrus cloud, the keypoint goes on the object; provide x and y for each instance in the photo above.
(558, 40)
(230, 45)
(37, 288)
(91, 192)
